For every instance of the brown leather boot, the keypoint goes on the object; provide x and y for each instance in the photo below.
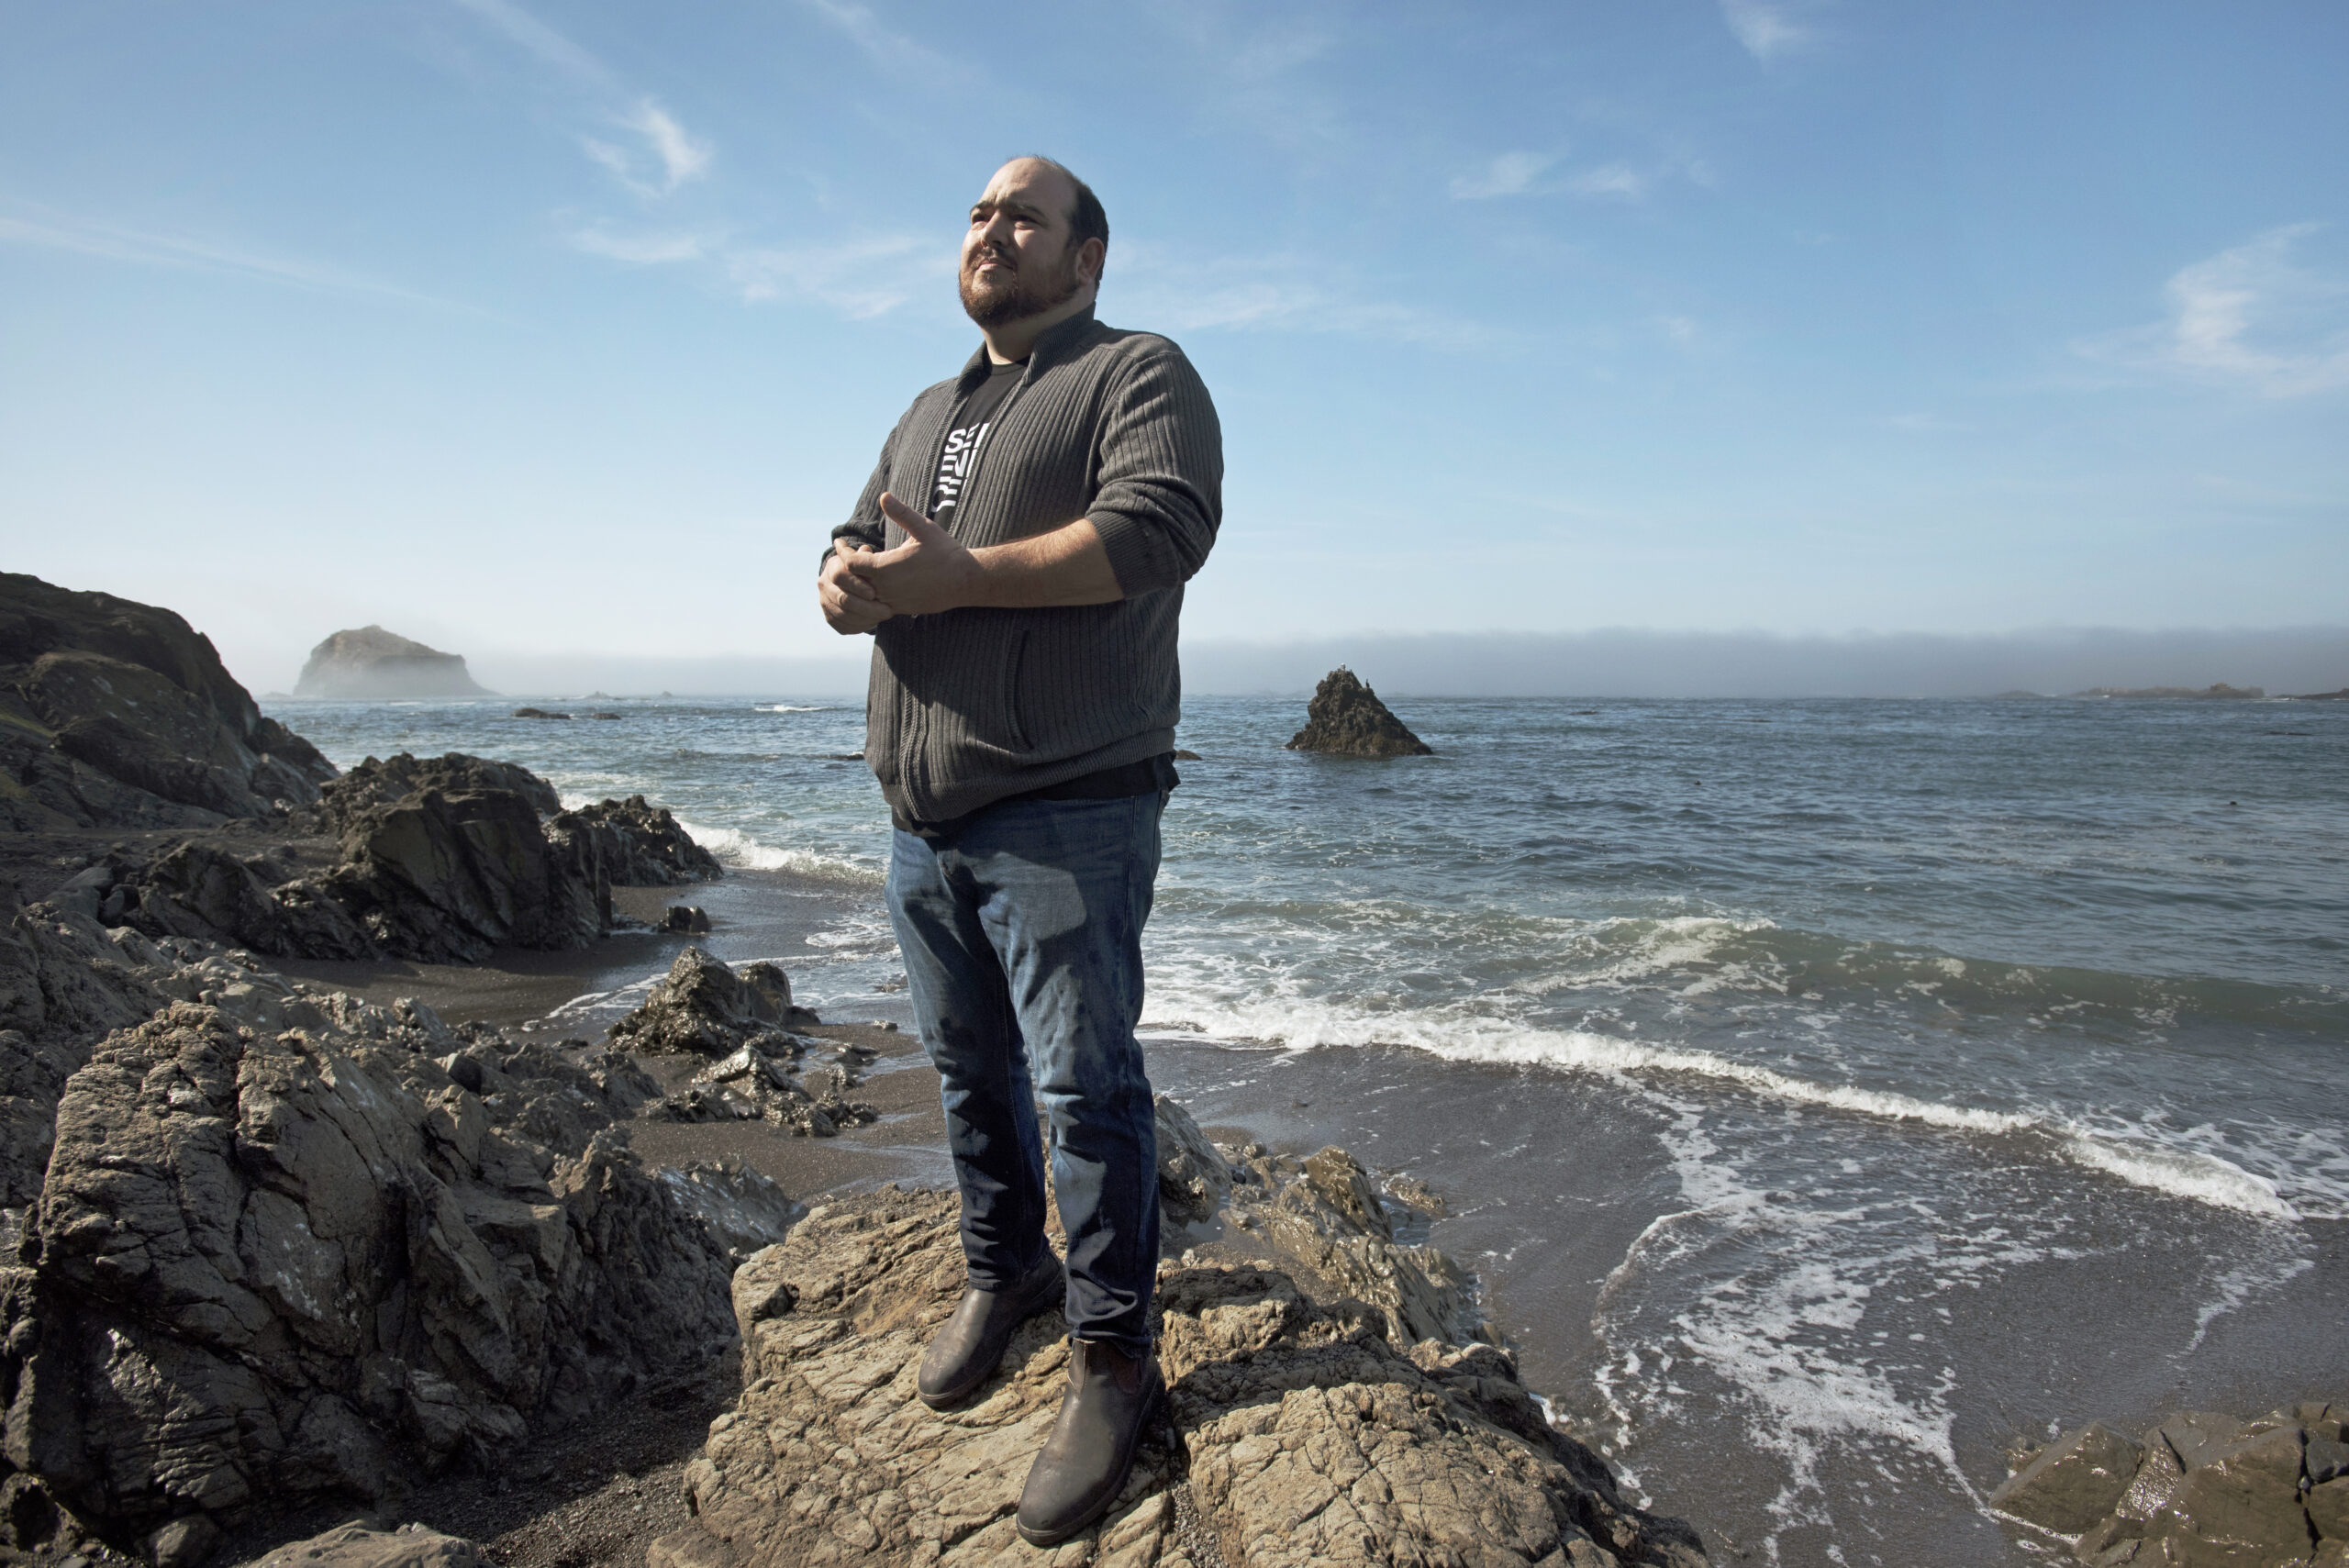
(1085, 1462)
(967, 1349)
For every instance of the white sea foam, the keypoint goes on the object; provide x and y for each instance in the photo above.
(2183, 1173)
(791, 708)
(1455, 1033)
(735, 848)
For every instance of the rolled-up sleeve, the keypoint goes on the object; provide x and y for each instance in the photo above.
(1160, 481)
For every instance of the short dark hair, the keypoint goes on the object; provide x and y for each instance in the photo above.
(1087, 221)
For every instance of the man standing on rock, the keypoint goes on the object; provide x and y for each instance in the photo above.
(1019, 556)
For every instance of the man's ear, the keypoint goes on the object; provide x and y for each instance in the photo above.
(1090, 258)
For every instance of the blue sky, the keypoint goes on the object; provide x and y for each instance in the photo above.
(527, 327)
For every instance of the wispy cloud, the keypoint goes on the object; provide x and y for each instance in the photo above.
(643, 249)
(865, 276)
(1767, 30)
(1510, 174)
(2249, 318)
(859, 278)
(1612, 180)
(55, 231)
(670, 155)
(534, 36)
(678, 157)
(889, 49)
(1277, 294)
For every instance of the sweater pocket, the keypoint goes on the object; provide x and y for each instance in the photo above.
(1014, 659)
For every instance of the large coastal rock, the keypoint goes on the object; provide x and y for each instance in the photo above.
(1302, 1430)
(115, 714)
(1301, 1434)
(440, 859)
(1346, 718)
(371, 664)
(376, 782)
(294, 1245)
(2200, 1488)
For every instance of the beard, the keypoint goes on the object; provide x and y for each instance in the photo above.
(1029, 290)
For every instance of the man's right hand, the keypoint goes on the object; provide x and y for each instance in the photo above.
(851, 607)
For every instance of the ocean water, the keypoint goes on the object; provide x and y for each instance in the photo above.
(1832, 1094)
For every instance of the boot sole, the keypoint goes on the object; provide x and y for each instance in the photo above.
(1125, 1472)
(948, 1399)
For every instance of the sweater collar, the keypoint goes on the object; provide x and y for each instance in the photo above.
(1056, 341)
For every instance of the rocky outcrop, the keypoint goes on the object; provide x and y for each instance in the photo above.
(2200, 1488)
(446, 878)
(371, 664)
(703, 1008)
(378, 782)
(293, 1245)
(1301, 1432)
(637, 845)
(440, 859)
(66, 982)
(1346, 718)
(120, 714)
(769, 1080)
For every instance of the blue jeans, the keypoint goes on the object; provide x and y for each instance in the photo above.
(1022, 941)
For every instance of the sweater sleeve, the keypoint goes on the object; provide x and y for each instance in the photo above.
(1160, 495)
(866, 525)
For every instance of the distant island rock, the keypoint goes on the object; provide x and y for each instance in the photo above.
(374, 665)
(2341, 695)
(1345, 717)
(2221, 691)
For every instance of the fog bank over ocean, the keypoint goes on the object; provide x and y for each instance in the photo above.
(1615, 663)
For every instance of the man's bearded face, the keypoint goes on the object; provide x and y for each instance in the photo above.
(1015, 287)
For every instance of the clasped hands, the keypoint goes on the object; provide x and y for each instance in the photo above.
(861, 587)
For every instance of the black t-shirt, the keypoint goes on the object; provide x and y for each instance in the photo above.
(973, 418)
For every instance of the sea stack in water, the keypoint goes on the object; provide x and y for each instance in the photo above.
(371, 664)
(1346, 718)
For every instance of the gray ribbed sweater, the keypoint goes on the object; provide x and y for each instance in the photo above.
(969, 707)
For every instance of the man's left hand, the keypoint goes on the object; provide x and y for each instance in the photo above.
(929, 572)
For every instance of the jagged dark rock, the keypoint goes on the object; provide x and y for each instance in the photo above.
(768, 1080)
(685, 919)
(2200, 1488)
(440, 859)
(1347, 718)
(295, 1245)
(115, 714)
(703, 1008)
(638, 845)
(380, 782)
(446, 878)
(66, 982)
(371, 664)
